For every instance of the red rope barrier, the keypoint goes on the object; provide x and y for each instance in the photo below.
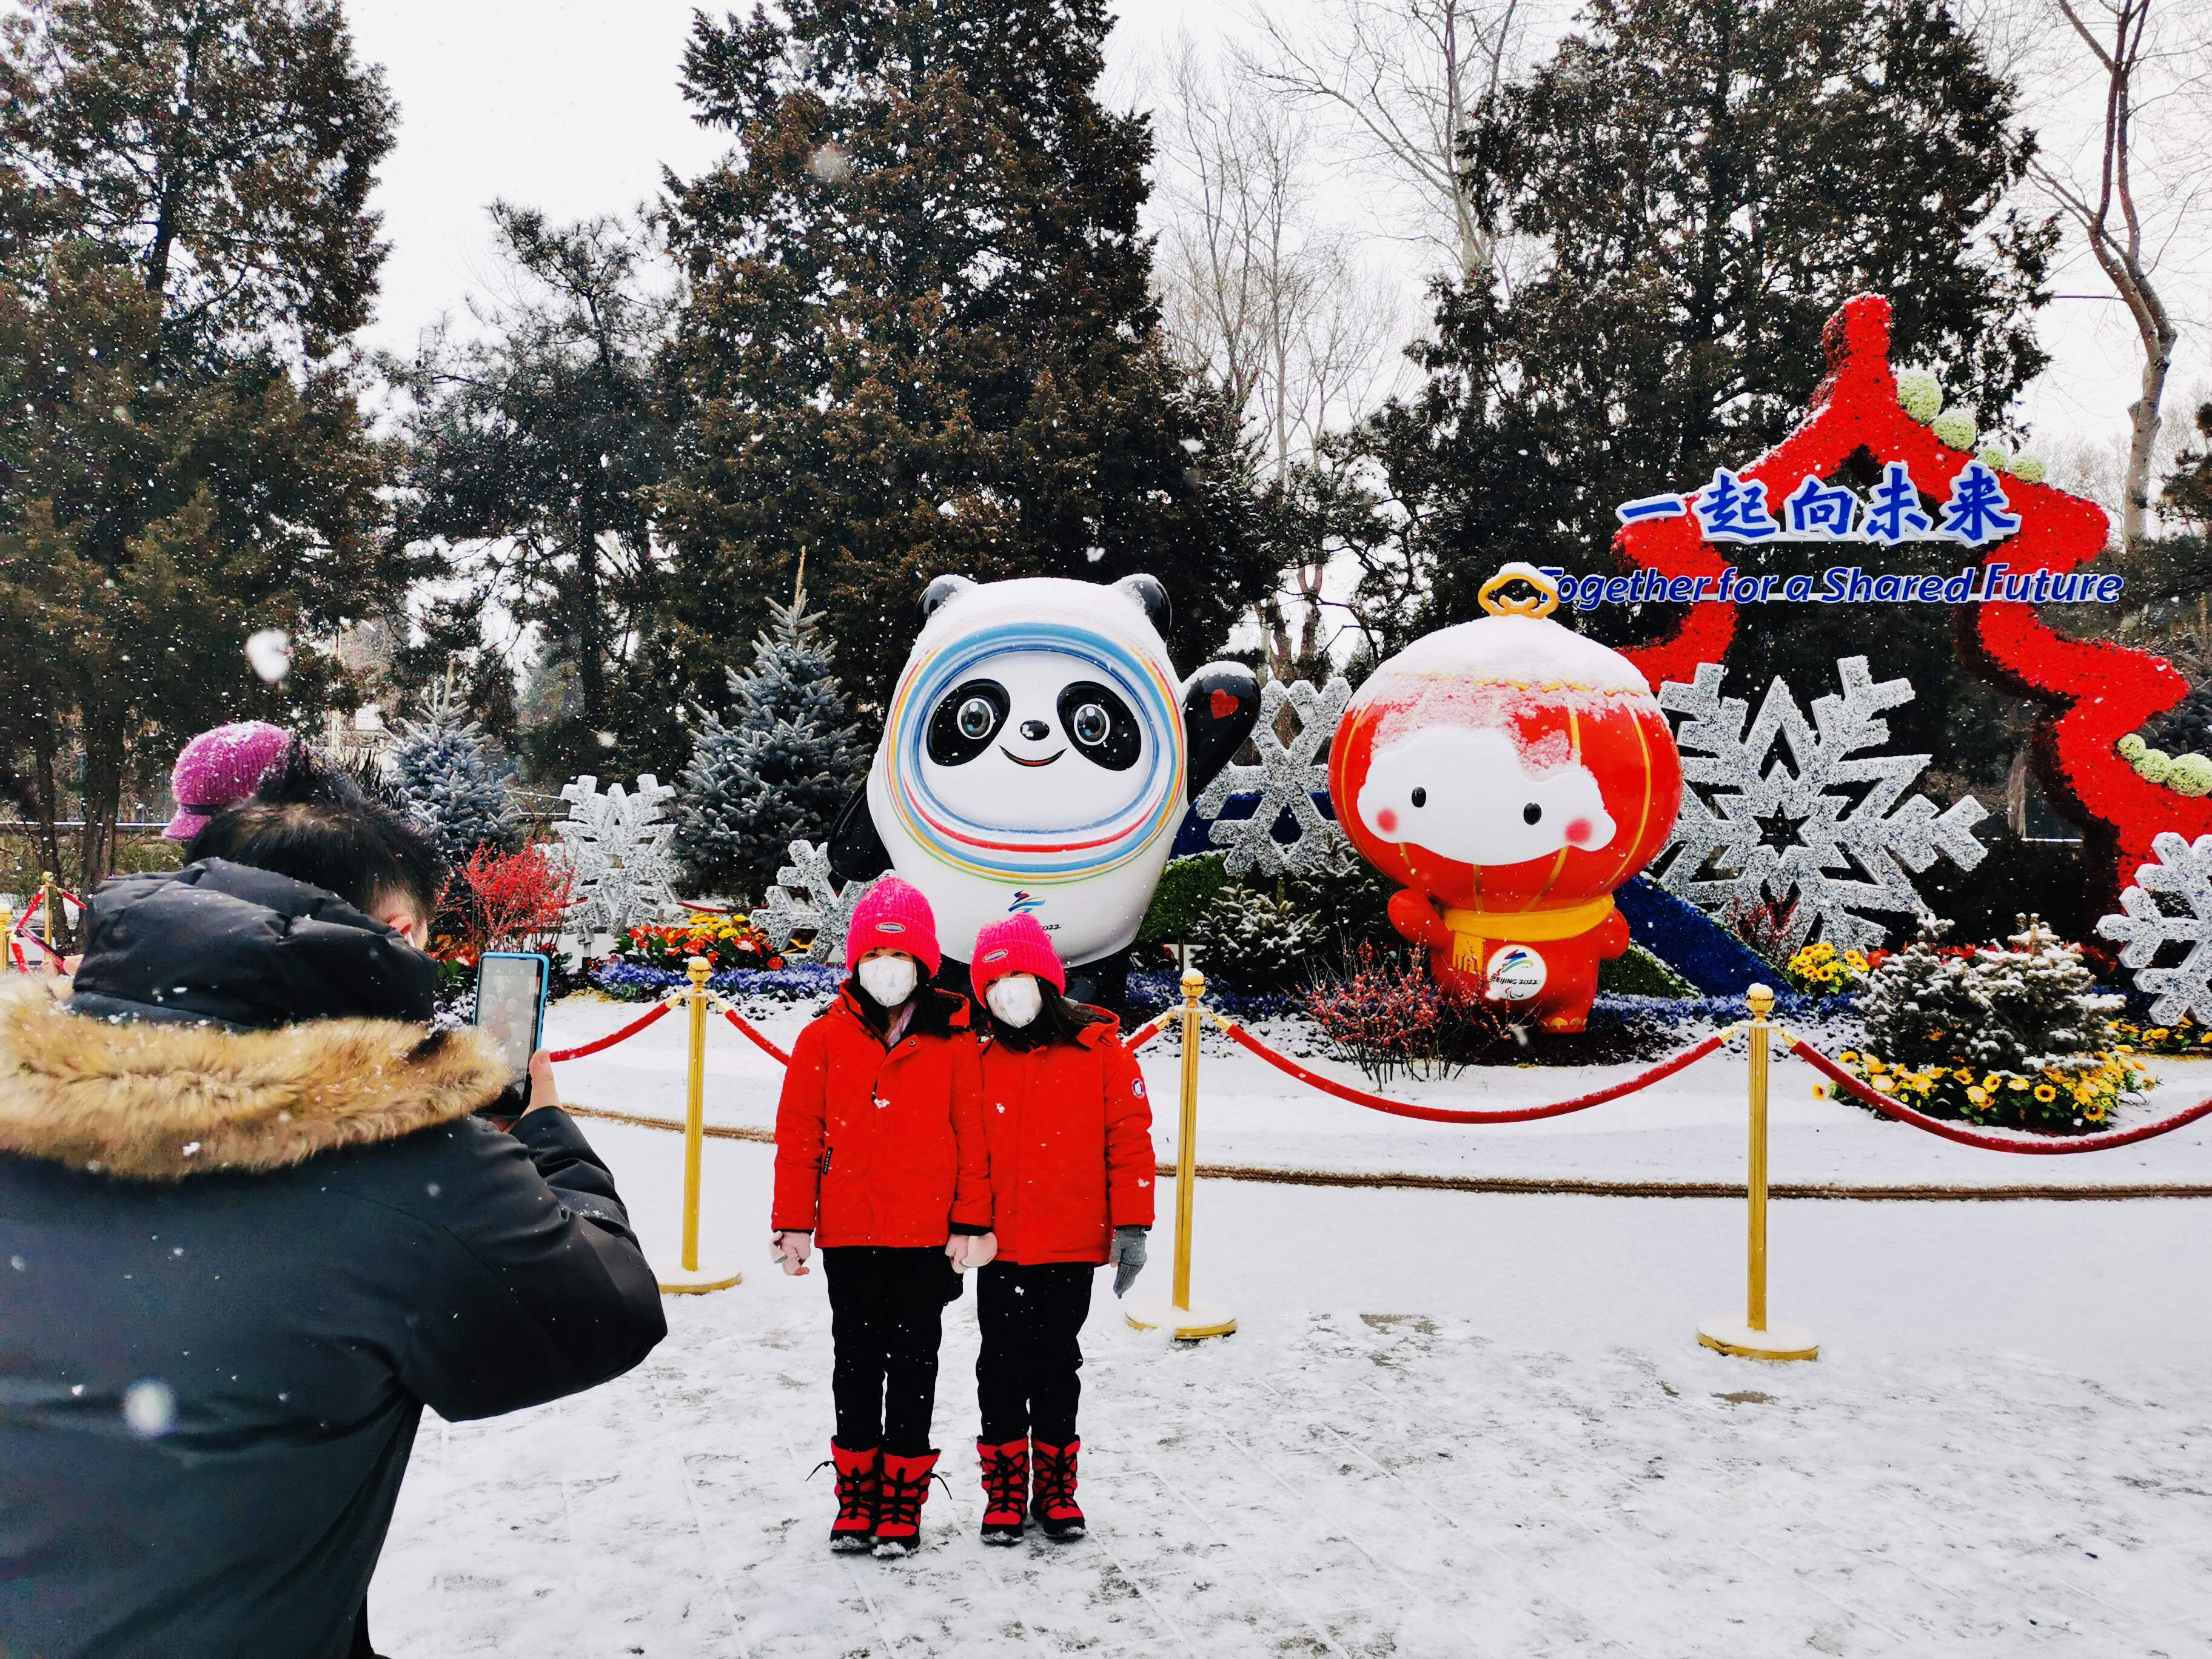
(612, 1037)
(2045, 1147)
(1150, 1028)
(1438, 1115)
(755, 1039)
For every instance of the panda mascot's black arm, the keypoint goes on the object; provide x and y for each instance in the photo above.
(1220, 706)
(857, 853)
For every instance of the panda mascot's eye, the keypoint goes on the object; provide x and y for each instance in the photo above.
(1103, 728)
(965, 721)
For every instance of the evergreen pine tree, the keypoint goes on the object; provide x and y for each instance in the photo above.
(777, 769)
(1697, 185)
(451, 778)
(920, 334)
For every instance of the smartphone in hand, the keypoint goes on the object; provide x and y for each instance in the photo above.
(512, 988)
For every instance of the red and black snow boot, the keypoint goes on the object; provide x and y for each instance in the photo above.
(1005, 1490)
(857, 1473)
(898, 1507)
(1053, 1501)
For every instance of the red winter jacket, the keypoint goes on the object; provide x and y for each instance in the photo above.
(1071, 1135)
(882, 1147)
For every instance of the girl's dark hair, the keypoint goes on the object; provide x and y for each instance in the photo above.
(1058, 1021)
(314, 822)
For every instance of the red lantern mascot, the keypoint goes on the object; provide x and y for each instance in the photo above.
(1515, 774)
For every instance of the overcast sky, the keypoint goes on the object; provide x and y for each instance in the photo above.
(571, 106)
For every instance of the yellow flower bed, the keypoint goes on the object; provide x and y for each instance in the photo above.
(2076, 1096)
(2185, 1037)
(1821, 969)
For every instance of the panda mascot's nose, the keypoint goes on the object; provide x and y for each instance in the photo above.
(1036, 731)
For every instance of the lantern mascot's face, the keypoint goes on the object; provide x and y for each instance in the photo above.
(1039, 753)
(1513, 774)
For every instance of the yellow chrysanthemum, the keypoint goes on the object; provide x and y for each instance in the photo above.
(2044, 1093)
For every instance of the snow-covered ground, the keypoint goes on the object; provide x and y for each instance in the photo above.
(1688, 1127)
(1451, 1423)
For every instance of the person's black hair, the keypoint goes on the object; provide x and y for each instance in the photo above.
(314, 822)
(1059, 1020)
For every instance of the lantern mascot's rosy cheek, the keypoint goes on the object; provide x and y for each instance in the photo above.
(1509, 774)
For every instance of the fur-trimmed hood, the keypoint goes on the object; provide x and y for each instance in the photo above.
(148, 1101)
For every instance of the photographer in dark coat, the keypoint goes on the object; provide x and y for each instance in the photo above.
(249, 1228)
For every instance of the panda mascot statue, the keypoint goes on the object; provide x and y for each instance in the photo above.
(1038, 756)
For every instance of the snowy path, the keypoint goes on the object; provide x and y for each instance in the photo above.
(1451, 1425)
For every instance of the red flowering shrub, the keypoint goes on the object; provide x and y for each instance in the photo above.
(1385, 1015)
(502, 902)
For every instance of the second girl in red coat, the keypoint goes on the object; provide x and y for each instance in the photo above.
(1072, 1168)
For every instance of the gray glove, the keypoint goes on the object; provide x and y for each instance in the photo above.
(1127, 1257)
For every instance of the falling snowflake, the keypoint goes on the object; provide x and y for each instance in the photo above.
(2183, 873)
(1815, 835)
(617, 847)
(827, 909)
(1288, 777)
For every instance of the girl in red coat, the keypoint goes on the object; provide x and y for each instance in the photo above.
(1072, 1165)
(880, 1160)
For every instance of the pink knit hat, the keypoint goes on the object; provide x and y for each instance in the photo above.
(219, 769)
(1016, 946)
(892, 915)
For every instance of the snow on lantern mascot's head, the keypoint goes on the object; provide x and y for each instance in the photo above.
(1039, 752)
(1516, 773)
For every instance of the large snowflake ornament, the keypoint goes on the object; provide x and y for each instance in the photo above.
(616, 844)
(1786, 832)
(1288, 777)
(827, 908)
(2183, 874)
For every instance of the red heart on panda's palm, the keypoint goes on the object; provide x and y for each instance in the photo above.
(1221, 704)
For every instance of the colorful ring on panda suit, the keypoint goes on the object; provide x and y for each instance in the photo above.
(1069, 853)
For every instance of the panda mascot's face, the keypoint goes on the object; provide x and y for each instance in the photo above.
(1034, 760)
(1038, 740)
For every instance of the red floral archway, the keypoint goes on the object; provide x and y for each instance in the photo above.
(2091, 693)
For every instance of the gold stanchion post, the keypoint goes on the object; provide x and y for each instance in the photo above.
(695, 1275)
(1752, 1337)
(1187, 1320)
(7, 937)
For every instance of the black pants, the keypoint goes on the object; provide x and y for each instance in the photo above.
(1025, 1375)
(886, 1314)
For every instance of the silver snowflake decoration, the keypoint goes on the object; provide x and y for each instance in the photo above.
(826, 908)
(2183, 875)
(616, 844)
(1815, 834)
(1288, 777)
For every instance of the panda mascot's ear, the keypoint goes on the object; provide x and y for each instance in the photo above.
(1220, 706)
(1147, 592)
(944, 588)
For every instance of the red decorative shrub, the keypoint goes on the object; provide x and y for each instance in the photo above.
(1385, 1015)
(502, 902)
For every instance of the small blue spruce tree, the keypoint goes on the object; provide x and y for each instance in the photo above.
(777, 769)
(454, 781)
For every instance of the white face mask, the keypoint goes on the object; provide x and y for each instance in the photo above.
(889, 980)
(1015, 999)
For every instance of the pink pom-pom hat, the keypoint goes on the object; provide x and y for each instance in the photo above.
(892, 915)
(1018, 944)
(219, 769)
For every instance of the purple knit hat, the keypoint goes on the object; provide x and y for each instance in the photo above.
(219, 769)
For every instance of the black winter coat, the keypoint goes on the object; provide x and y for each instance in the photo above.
(234, 1266)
